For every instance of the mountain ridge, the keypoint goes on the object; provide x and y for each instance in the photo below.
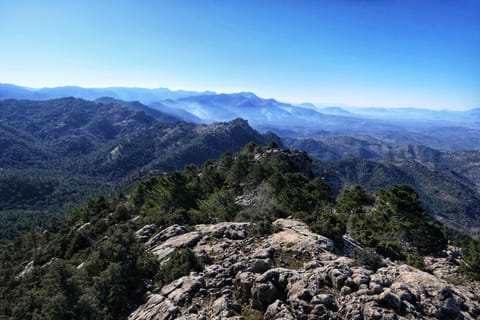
(435, 129)
(248, 235)
(76, 149)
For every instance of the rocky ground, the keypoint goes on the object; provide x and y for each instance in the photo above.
(294, 274)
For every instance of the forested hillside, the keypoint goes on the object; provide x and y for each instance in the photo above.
(56, 154)
(93, 265)
(447, 181)
(449, 200)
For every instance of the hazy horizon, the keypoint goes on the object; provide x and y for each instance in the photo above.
(401, 54)
(318, 105)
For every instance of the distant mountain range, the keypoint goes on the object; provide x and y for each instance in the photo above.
(72, 148)
(10, 91)
(142, 216)
(445, 130)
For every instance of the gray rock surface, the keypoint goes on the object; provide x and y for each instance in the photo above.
(146, 232)
(244, 276)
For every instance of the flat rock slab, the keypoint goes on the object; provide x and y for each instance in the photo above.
(297, 237)
(156, 308)
(229, 230)
(186, 240)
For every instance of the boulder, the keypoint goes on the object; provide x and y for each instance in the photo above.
(229, 230)
(263, 294)
(278, 310)
(297, 237)
(260, 265)
(181, 290)
(144, 233)
(165, 234)
(156, 308)
(390, 300)
(163, 249)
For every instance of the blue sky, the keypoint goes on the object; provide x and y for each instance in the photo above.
(390, 53)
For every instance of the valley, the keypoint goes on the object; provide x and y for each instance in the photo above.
(114, 190)
(240, 160)
(106, 144)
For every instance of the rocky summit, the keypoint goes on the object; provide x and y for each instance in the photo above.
(292, 273)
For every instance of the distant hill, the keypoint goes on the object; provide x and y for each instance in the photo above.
(448, 182)
(71, 149)
(461, 165)
(418, 114)
(444, 130)
(137, 106)
(447, 199)
(438, 129)
(146, 96)
(335, 111)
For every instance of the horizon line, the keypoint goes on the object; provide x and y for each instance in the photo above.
(317, 105)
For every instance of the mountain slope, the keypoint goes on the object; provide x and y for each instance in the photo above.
(72, 149)
(171, 249)
(461, 165)
(443, 130)
(139, 107)
(180, 113)
(449, 200)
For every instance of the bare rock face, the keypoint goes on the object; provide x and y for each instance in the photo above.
(146, 232)
(163, 249)
(167, 233)
(156, 307)
(297, 237)
(292, 274)
(26, 270)
(229, 230)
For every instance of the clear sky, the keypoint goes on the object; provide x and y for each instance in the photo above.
(390, 53)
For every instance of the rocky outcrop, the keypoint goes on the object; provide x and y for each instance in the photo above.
(296, 236)
(229, 230)
(292, 274)
(146, 232)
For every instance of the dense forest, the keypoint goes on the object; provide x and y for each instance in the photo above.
(91, 265)
(450, 200)
(56, 154)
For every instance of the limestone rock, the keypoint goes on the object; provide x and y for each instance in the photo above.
(165, 234)
(242, 273)
(229, 230)
(144, 233)
(263, 294)
(26, 270)
(297, 237)
(186, 240)
(156, 308)
(278, 310)
(181, 290)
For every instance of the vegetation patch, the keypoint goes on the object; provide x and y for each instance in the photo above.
(248, 313)
(114, 264)
(178, 264)
(290, 259)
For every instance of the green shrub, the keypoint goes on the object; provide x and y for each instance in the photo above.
(179, 263)
(416, 260)
(471, 256)
(368, 258)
